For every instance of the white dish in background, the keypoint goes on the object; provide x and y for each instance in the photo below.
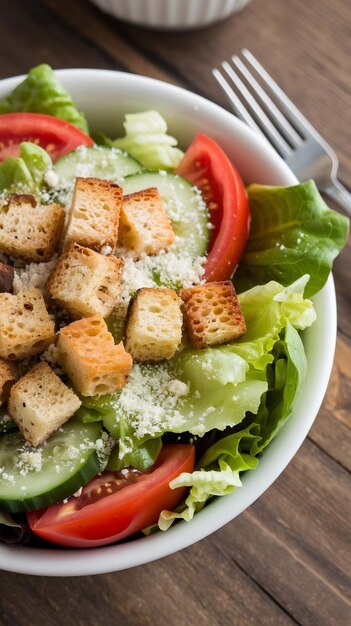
(105, 97)
(171, 14)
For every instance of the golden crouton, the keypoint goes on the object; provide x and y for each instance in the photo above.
(40, 403)
(8, 376)
(212, 314)
(85, 282)
(94, 214)
(144, 224)
(28, 230)
(154, 327)
(26, 327)
(7, 274)
(89, 356)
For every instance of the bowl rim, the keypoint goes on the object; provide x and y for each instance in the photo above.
(116, 557)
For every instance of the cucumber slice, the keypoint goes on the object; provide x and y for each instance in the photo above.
(97, 162)
(184, 205)
(32, 478)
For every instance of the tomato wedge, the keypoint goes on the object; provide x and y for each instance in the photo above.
(56, 136)
(117, 504)
(206, 166)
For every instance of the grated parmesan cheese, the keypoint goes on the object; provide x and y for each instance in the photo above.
(33, 275)
(171, 269)
(51, 178)
(29, 461)
(178, 388)
(51, 357)
(148, 403)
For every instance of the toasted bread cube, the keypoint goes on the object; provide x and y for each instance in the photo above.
(94, 214)
(154, 326)
(8, 376)
(26, 327)
(212, 314)
(40, 403)
(88, 354)
(28, 230)
(85, 282)
(7, 274)
(144, 224)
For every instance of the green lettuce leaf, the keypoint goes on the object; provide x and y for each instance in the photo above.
(255, 382)
(147, 407)
(88, 415)
(147, 141)
(130, 450)
(141, 458)
(285, 376)
(222, 387)
(11, 531)
(199, 390)
(217, 474)
(293, 232)
(218, 471)
(103, 405)
(25, 174)
(41, 92)
(266, 310)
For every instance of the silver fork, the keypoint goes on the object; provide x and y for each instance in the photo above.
(265, 107)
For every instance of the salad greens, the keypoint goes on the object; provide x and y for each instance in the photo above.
(218, 474)
(143, 452)
(242, 392)
(293, 232)
(25, 172)
(221, 383)
(12, 531)
(147, 141)
(218, 471)
(285, 378)
(41, 92)
(141, 457)
(265, 370)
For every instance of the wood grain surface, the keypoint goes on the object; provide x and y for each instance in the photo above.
(286, 560)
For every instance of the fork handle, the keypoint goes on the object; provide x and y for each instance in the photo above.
(339, 194)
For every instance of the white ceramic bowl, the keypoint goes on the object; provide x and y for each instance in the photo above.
(105, 96)
(171, 14)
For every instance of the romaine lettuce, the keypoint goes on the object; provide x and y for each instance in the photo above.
(147, 141)
(217, 472)
(141, 458)
(25, 173)
(285, 377)
(267, 309)
(11, 531)
(219, 386)
(41, 92)
(129, 449)
(293, 232)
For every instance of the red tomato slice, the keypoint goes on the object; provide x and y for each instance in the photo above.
(56, 136)
(115, 505)
(206, 166)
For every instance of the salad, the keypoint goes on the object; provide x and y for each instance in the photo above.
(92, 452)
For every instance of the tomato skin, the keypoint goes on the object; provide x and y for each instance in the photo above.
(120, 514)
(56, 136)
(207, 166)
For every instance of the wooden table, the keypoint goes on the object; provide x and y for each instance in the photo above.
(284, 561)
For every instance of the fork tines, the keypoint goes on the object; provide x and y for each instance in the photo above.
(255, 100)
